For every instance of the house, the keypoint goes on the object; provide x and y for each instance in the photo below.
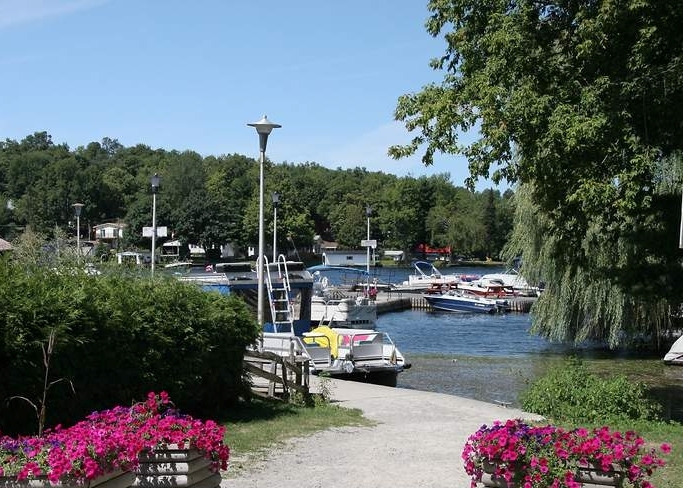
(348, 258)
(109, 233)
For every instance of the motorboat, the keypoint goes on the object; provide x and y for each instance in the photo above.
(353, 312)
(352, 354)
(513, 280)
(489, 288)
(332, 306)
(675, 354)
(359, 354)
(426, 276)
(458, 301)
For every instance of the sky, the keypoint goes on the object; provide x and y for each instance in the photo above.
(189, 75)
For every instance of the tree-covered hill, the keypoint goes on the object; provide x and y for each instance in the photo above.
(213, 200)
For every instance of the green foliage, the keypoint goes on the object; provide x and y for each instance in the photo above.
(214, 200)
(569, 392)
(118, 336)
(575, 101)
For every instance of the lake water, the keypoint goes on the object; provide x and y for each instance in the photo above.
(494, 357)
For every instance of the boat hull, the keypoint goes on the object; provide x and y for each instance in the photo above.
(449, 303)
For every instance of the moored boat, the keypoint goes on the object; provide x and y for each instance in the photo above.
(675, 354)
(426, 276)
(332, 306)
(458, 301)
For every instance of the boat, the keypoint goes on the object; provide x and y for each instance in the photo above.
(283, 276)
(490, 288)
(179, 267)
(513, 280)
(426, 276)
(351, 354)
(675, 354)
(458, 301)
(332, 306)
(360, 354)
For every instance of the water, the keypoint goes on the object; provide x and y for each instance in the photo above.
(494, 357)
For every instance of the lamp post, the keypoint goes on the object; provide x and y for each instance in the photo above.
(156, 182)
(263, 127)
(77, 211)
(276, 201)
(368, 213)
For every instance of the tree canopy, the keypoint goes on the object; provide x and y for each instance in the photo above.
(578, 102)
(213, 200)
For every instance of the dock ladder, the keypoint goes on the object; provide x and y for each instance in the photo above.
(279, 289)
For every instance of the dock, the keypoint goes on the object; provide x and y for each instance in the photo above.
(394, 302)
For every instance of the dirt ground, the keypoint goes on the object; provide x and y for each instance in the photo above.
(417, 442)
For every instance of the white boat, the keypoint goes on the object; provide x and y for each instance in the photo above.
(675, 354)
(352, 312)
(426, 276)
(331, 306)
(511, 279)
(355, 354)
(459, 301)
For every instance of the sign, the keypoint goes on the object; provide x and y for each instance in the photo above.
(161, 231)
(369, 243)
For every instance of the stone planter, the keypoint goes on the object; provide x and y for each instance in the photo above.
(115, 479)
(174, 467)
(590, 476)
(164, 468)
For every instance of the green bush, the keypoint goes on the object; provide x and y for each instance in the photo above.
(570, 393)
(117, 336)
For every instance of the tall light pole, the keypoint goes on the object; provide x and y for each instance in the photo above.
(368, 213)
(156, 182)
(77, 211)
(276, 201)
(263, 127)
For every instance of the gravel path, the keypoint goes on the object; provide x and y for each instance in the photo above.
(417, 442)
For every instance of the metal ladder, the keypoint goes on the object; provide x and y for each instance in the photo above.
(279, 289)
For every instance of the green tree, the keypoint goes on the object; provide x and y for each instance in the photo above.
(577, 101)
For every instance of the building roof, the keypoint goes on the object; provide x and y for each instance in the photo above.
(4, 245)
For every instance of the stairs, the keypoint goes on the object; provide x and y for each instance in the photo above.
(279, 290)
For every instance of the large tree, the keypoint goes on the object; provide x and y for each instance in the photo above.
(578, 100)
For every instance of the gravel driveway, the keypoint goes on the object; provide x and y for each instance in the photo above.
(417, 442)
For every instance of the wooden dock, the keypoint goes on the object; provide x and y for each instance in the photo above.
(393, 302)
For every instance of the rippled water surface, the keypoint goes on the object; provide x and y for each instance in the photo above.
(493, 357)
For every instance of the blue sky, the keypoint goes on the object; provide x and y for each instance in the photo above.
(187, 74)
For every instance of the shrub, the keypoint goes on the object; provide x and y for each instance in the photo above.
(570, 393)
(117, 336)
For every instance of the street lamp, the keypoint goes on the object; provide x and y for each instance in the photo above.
(368, 213)
(276, 201)
(77, 211)
(263, 127)
(156, 182)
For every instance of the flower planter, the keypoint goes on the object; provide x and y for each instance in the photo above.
(594, 477)
(590, 476)
(115, 479)
(175, 467)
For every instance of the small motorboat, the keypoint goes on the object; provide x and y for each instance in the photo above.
(427, 277)
(675, 354)
(353, 354)
(356, 354)
(457, 301)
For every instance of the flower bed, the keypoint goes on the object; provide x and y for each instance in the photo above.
(515, 454)
(111, 440)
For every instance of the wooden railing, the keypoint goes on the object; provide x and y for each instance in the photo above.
(275, 376)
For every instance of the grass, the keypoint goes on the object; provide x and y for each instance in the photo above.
(256, 427)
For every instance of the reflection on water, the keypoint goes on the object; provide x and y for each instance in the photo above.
(494, 357)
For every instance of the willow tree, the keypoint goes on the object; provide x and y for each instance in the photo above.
(577, 101)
